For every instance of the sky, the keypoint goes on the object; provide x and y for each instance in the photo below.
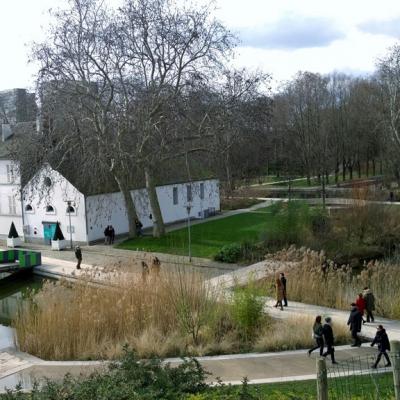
(279, 37)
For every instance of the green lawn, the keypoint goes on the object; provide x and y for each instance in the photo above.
(358, 387)
(206, 238)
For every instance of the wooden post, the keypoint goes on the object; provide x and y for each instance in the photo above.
(395, 359)
(322, 379)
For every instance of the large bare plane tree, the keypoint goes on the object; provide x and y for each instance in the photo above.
(123, 70)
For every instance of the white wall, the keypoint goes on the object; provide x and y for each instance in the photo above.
(109, 209)
(9, 189)
(39, 196)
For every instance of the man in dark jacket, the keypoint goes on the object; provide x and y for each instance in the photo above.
(382, 339)
(355, 322)
(283, 280)
(78, 255)
(329, 339)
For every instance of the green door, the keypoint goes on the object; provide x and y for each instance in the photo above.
(48, 231)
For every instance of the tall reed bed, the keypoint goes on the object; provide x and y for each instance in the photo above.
(173, 314)
(164, 315)
(316, 280)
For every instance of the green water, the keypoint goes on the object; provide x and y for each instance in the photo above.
(13, 291)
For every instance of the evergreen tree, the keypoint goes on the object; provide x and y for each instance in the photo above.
(58, 235)
(13, 231)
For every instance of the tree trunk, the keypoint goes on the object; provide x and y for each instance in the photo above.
(367, 168)
(130, 207)
(373, 167)
(323, 191)
(344, 170)
(359, 169)
(381, 167)
(158, 222)
(337, 173)
(327, 177)
(351, 171)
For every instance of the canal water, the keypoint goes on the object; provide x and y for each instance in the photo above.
(13, 291)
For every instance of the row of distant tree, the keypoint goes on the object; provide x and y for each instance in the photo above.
(144, 94)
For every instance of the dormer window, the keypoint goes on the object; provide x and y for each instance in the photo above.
(28, 208)
(50, 210)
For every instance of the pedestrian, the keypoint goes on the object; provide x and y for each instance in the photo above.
(360, 302)
(382, 339)
(107, 235)
(318, 336)
(112, 234)
(283, 280)
(279, 293)
(369, 303)
(155, 267)
(78, 255)
(329, 339)
(354, 322)
(138, 226)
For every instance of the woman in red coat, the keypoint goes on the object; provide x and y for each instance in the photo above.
(361, 304)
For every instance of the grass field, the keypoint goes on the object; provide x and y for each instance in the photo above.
(206, 238)
(358, 386)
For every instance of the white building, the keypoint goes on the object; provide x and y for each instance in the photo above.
(10, 199)
(50, 198)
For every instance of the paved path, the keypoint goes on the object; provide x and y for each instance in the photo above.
(258, 367)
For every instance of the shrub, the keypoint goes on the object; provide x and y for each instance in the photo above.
(13, 231)
(58, 235)
(129, 379)
(230, 253)
(247, 311)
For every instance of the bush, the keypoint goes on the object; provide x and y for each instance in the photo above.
(58, 235)
(129, 379)
(230, 253)
(247, 311)
(245, 251)
(13, 231)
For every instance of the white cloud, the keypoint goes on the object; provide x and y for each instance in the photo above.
(356, 50)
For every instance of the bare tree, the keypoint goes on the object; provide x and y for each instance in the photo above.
(123, 69)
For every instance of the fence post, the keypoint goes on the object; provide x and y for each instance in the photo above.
(322, 379)
(395, 359)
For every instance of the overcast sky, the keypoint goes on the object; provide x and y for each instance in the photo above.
(277, 36)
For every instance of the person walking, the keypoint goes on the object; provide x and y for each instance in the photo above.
(329, 339)
(318, 336)
(283, 280)
(279, 293)
(138, 226)
(107, 235)
(78, 255)
(369, 303)
(382, 339)
(354, 322)
(360, 302)
(112, 234)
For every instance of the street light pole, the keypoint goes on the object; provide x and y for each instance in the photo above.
(70, 227)
(188, 208)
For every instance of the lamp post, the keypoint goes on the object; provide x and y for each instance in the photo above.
(69, 204)
(188, 208)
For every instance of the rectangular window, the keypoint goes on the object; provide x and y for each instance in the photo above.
(175, 195)
(202, 191)
(12, 206)
(10, 173)
(189, 193)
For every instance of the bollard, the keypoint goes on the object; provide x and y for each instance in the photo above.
(322, 379)
(395, 359)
